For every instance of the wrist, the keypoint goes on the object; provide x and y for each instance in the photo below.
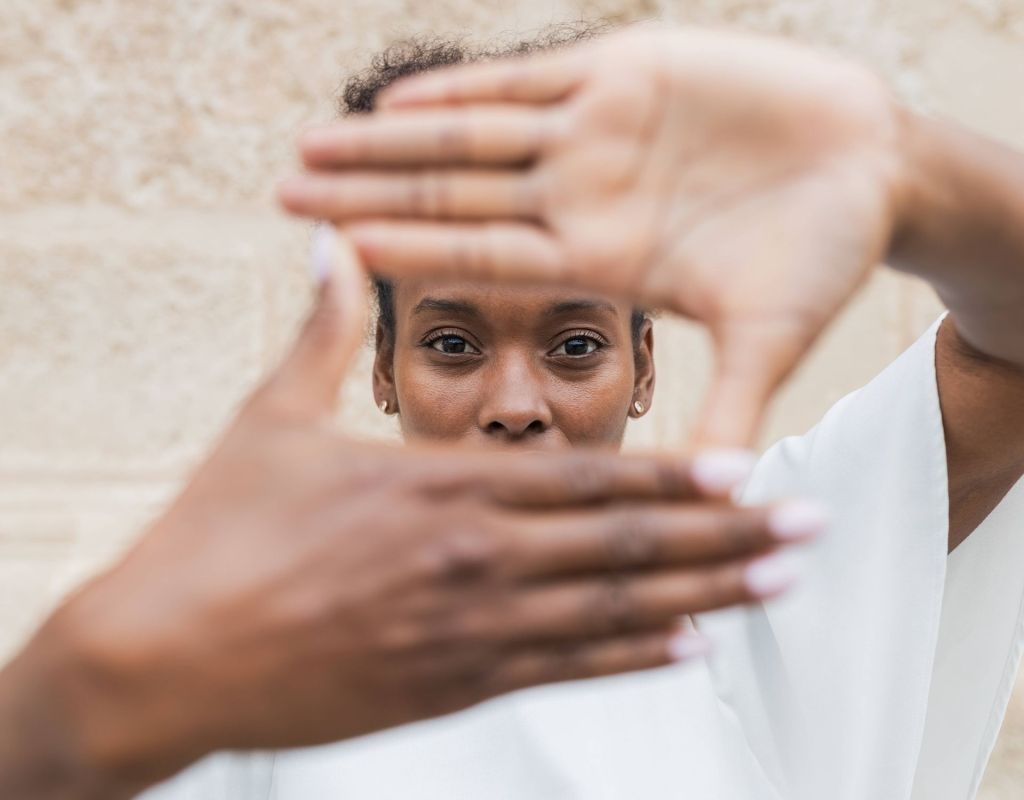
(44, 738)
(89, 709)
(921, 198)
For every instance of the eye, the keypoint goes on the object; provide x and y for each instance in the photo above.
(450, 343)
(579, 343)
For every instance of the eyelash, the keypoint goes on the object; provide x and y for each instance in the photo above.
(592, 336)
(436, 336)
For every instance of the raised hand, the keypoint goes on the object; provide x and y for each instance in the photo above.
(305, 588)
(744, 182)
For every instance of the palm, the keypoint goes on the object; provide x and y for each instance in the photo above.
(739, 181)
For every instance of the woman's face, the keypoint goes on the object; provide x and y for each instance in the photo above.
(534, 368)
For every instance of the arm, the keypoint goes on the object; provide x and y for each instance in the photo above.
(962, 230)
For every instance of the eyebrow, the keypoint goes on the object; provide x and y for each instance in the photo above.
(448, 306)
(570, 306)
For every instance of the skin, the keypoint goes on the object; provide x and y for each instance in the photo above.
(745, 182)
(536, 369)
(305, 588)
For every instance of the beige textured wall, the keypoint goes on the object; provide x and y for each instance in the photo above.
(146, 279)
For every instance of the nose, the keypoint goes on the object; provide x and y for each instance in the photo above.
(514, 405)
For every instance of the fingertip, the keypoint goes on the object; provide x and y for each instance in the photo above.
(773, 574)
(290, 193)
(688, 645)
(321, 257)
(721, 471)
(312, 139)
(798, 520)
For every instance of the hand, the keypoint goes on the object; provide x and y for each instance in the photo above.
(305, 588)
(744, 182)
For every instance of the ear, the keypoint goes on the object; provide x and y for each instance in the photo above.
(643, 377)
(384, 370)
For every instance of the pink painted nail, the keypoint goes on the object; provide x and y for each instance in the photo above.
(322, 254)
(798, 520)
(688, 645)
(772, 574)
(721, 471)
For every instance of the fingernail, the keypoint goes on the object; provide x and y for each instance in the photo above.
(772, 574)
(798, 520)
(721, 471)
(685, 646)
(322, 253)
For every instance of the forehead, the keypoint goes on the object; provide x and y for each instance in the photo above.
(514, 302)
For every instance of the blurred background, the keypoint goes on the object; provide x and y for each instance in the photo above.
(147, 281)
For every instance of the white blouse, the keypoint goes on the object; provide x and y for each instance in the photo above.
(884, 676)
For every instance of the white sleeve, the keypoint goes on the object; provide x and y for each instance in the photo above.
(830, 687)
(222, 776)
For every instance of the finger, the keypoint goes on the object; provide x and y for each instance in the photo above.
(308, 380)
(660, 536)
(491, 135)
(566, 480)
(634, 601)
(536, 79)
(491, 251)
(580, 478)
(433, 194)
(751, 361)
(579, 660)
(583, 477)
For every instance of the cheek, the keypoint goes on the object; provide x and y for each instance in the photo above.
(433, 403)
(592, 410)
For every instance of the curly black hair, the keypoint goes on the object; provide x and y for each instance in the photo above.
(359, 95)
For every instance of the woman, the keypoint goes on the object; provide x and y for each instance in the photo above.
(751, 184)
(538, 369)
(532, 368)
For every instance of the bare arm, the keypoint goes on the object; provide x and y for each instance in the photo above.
(963, 232)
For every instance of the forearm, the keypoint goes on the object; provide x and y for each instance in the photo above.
(961, 227)
(41, 750)
(73, 723)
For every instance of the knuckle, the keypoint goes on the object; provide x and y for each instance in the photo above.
(467, 255)
(461, 555)
(587, 478)
(612, 607)
(561, 661)
(631, 541)
(673, 478)
(430, 196)
(534, 196)
(400, 638)
(484, 676)
(555, 131)
(324, 325)
(454, 141)
(740, 533)
(723, 585)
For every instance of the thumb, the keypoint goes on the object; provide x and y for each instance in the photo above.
(750, 364)
(308, 380)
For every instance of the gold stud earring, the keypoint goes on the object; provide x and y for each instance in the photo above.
(638, 407)
(383, 406)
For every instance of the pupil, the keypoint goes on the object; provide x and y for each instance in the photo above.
(453, 344)
(576, 346)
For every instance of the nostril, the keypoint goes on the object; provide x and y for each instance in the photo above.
(515, 430)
